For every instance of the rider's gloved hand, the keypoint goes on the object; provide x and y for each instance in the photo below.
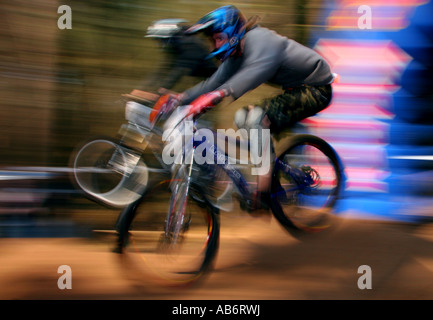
(206, 101)
(164, 105)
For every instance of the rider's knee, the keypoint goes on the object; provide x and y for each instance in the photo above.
(241, 117)
(249, 118)
(255, 117)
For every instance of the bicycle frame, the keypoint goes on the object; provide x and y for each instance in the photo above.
(225, 162)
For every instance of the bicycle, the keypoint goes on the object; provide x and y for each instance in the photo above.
(307, 180)
(128, 171)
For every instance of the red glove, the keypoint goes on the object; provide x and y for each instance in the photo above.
(206, 101)
(164, 104)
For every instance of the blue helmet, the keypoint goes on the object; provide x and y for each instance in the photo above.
(227, 19)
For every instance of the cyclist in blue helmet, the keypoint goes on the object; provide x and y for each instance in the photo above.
(252, 55)
(227, 20)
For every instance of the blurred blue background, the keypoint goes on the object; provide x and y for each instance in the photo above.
(381, 117)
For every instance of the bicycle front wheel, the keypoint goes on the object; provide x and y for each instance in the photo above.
(108, 172)
(307, 181)
(176, 248)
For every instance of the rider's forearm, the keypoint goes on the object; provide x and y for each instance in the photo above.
(185, 99)
(193, 93)
(211, 84)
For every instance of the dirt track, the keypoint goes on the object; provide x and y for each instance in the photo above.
(257, 260)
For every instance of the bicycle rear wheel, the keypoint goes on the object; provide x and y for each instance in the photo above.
(307, 181)
(170, 246)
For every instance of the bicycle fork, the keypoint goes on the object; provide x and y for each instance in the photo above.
(176, 222)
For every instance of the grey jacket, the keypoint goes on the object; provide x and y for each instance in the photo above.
(266, 57)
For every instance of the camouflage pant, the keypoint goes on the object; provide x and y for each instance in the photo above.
(296, 104)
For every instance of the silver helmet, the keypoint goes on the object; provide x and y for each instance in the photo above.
(165, 28)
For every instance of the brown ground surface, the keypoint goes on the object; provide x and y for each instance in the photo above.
(257, 260)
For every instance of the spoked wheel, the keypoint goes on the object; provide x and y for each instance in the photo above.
(108, 172)
(176, 248)
(307, 180)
